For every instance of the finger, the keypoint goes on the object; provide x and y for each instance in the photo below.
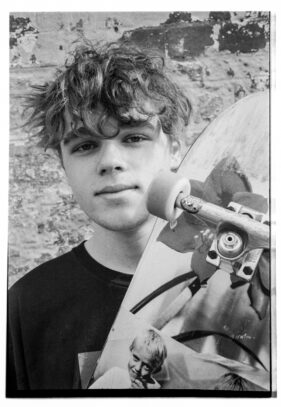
(138, 384)
(134, 385)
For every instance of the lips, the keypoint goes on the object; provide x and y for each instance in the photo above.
(114, 189)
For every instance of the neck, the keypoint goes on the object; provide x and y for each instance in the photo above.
(119, 251)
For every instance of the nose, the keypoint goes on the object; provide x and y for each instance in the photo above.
(111, 158)
(137, 367)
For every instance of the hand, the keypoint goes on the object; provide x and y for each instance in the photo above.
(138, 384)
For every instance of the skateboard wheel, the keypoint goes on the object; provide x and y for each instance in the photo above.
(163, 193)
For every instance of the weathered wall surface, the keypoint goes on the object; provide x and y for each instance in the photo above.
(44, 220)
(178, 40)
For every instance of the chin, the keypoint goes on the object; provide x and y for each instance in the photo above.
(120, 226)
(123, 222)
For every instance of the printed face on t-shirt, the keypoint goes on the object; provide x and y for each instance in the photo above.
(141, 363)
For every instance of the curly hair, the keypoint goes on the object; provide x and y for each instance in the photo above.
(118, 77)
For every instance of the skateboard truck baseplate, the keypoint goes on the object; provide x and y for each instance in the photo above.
(229, 249)
(232, 249)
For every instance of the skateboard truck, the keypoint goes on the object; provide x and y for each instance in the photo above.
(241, 233)
(228, 251)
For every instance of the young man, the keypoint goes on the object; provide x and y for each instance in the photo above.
(116, 120)
(147, 355)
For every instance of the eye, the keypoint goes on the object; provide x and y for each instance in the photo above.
(85, 146)
(135, 138)
(146, 369)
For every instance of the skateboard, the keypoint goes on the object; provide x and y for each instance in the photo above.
(204, 281)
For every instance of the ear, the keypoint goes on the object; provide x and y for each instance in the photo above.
(175, 153)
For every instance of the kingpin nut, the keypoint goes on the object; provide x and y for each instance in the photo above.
(230, 244)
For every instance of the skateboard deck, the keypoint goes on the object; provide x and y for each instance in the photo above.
(204, 280)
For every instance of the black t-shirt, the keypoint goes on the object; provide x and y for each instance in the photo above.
(64, 307)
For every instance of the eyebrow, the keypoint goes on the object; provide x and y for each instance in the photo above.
(84, 132)
(76, 133)
(144, 363)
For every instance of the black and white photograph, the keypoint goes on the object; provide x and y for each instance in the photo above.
(141, 249)
(137, 356)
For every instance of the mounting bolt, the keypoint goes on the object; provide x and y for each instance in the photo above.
(247, 270)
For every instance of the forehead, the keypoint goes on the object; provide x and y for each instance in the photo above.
(100, 123)
(142, 352)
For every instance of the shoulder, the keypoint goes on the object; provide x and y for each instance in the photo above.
(115, 372)
(115, 377)
(46, 274)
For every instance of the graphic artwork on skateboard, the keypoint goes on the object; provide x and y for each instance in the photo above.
(203, 287)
